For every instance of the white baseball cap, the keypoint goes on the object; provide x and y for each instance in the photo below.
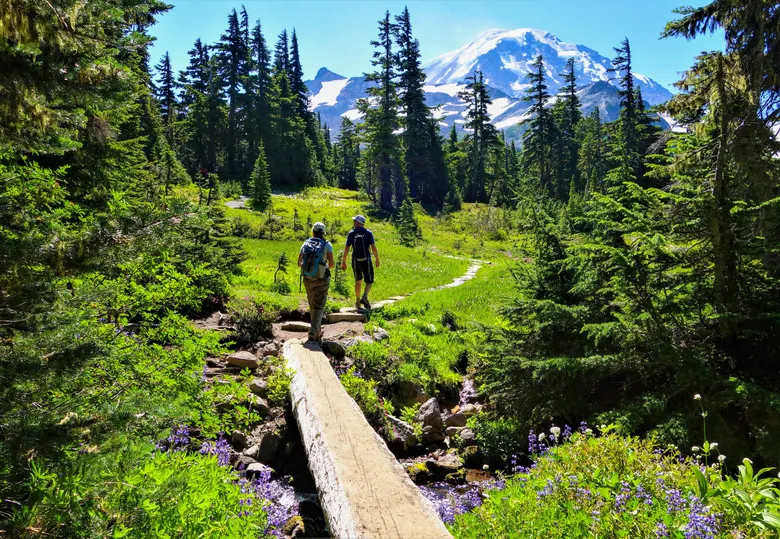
(360, 219)
(318, 227)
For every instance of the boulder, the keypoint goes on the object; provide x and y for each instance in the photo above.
(267, 447)
(243, 360)
(333, 348)
(429, 415)
(472, 457)
(269, 349)
(409, 393)
(296, 326)
(295, 527)
(404, 432)
(256, 469)
(214, 362)
(258, 386)
(453, 431)
(355, 340)
(259, 405)
(467, 438)
(469, 410)
(381, 334)
(419, 472)
(456, 420)
(239, 440)
(243, 462)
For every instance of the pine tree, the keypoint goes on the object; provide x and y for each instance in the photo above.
(166, 92)
(426, 184)
(381, 121)
(296, 79)
(233, 55)
(261, 181)
(195, 78)
(538, 140)
(592, 161)
(348, 151)
(625, 150)
(260, 94)
(282, 54)
(481, 138)
(566, 115)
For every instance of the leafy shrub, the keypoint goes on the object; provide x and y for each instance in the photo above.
(372, 358)
(281, 286)
(409, 415)
(449, 321)
(251, 319)
(279, 385)
(498, 438)
(230, 190)
(225, 406)
(364, 393)
(340, 285)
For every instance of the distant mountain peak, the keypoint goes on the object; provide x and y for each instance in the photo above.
(325, 75)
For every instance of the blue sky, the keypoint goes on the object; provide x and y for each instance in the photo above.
(336, 33)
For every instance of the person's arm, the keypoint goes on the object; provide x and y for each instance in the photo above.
(376, 254)
(344, 258)
(300, 259)
(330, 259)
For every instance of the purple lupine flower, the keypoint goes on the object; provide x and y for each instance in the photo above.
(661, 530)
(533, 446)
(583, 427)
(546, 491)
(702, 523)
(622, 497)
(643, 496)
(566, 433)
(179, 438)
(674, 500)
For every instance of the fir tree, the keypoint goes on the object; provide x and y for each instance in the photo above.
(261, 181)
(425, 182)
(592, 162)
(625, 150)
(539, 139)
(259, 94)
(566, 115)
(381, 121)
(194, 79)
(348, 151)
(282, 54)
(481, 138)
(166, 92)
(296, 78)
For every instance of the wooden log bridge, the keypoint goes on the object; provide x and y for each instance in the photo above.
(364, 491)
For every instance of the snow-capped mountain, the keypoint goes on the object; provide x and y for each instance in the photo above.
(505, 58)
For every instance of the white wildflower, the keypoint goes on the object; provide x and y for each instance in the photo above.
(695, 448)
(713, 445)
(555, 431)
(542, 436)
(721, 458)
(697, 397)
(588, 431)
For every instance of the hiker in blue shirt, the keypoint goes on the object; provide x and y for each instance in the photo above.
(360, 239)
(316, 260)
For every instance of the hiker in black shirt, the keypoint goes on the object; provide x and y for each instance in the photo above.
(360, 239)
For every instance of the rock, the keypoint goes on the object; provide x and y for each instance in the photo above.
(355, 340)
(456, 420)
(252, 451)
(269, 349)
(404, 432)
(243, 462)
(333, 348)
(467, 438)
(259, 405)
(409, 393)
(268, 446)
(295, 527)
(469, 410)
(256, 469)
(296, 326)
(452, 431)
(472, 457)
(449, 462)
(419, 473)
(457, 477)
(381, 334)
(243, 360)
(258, 386)
(345, 317)
(214, 362)
(239, 440)
(429, 415)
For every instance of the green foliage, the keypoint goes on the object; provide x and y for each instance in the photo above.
(279, 384)
(409, 232)
(227, 405)
(365, 395)
(261, 181)
(409, 415)
(498, 438)
(251, 319)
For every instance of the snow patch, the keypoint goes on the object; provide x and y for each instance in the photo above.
(328, 94)
(499, 106)
(450, 89)
(352, 114)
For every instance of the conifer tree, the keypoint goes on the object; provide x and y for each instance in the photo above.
(282, 54)
(538, 140)
(348, 151)
(233, 55)
(296, 78)
(166, 92)
(592, 161)
(195, 78)
(383, 157)
(261, 181)
(625, 149)
(566, 115)
(481, 138)
(426, 183)
(259, 93)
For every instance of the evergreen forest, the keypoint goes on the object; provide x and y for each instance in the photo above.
(608, 366)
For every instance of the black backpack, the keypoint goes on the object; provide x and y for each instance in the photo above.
(360, 245)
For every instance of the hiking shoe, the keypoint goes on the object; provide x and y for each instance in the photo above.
(365, 303)
(357, 305)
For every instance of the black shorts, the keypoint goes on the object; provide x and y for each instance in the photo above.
(363, 270)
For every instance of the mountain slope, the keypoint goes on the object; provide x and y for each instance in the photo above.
(504, 57)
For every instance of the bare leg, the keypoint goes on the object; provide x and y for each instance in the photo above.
(358, 286)
(368, 289)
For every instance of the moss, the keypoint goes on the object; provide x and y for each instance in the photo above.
(472, 457)
(456, 478)
(418, 472)
(294, 523)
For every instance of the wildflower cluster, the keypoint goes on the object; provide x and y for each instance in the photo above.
(179, 440)
(220, 448)
(451, 501)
